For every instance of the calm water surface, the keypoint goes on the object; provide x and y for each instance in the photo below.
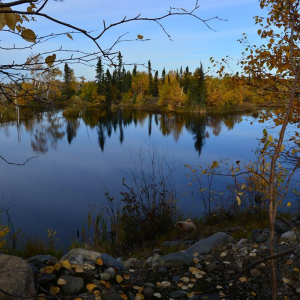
(74, 154)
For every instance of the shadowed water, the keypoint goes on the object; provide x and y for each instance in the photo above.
(75, 154)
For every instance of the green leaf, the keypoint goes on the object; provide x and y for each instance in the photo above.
(140, 37)
(183, 9)
(28, 35)
(49, 60)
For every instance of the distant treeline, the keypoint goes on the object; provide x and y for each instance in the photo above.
(172, 89)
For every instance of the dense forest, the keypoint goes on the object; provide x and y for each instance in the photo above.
(172, 89)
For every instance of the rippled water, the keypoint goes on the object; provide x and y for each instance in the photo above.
(76, 155)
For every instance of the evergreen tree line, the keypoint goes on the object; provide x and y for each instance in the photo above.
(137, 86)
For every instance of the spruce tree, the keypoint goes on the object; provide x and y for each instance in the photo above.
(163, 76)
(99, 77)
(134, 71)
(68, 91)
(155, 85)
(197, 89)
(150, 79)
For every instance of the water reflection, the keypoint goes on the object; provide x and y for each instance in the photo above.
(47, 128)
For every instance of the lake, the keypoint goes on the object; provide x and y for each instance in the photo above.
(75, 156)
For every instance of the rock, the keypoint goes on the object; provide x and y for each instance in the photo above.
(148, 292)
(175, 259)
(178, 294)
(210, 297)
(255, 273)
(109, 261)
(157, 250)
(85, 258)
(281, 227)
(35, 270)
(108, 274)
(171, 243)
(195, 297)
(206, 245)
(131, 263)
(154, 260)
(162, 270)
(256, 233)
(289, 236)
(242, 242)
(16, 277)
(73, 286)
(211, 267)
(111, 294)
(45, 278)
(261, 238)
(43, 258)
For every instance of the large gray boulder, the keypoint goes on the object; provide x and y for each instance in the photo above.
(16, 277)
(206, 245)
(87, 259)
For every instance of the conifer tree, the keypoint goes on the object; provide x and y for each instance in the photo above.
(99, 77)
(150, 79)
(155, 85)
(68, 91)
(163, 76)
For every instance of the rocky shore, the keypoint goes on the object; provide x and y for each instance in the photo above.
(209, 269)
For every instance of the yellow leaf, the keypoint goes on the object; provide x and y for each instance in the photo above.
(242, 279)
(285, 280)
(28, 35)
(49, 60)
(78, 269)
(97, 295)
(139, 296)
(66, 264)
(90, 286)
(253, 294)
(61, 281)
(54, 290)
(56, 266)
(270, 138)
(140, 37)
(123, 296)
(126, 276)
(289, 204)
(238, 199)
(11, 19)
(2, 19)
(41, 297)
(69, 36)
(157, 295)
(190, 295)
(99, 262)
(49, 269)
(119, 278)
(296, 270)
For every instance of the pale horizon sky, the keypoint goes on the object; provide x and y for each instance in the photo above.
(192, 40)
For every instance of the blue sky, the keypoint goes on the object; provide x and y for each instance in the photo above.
(192, 40)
